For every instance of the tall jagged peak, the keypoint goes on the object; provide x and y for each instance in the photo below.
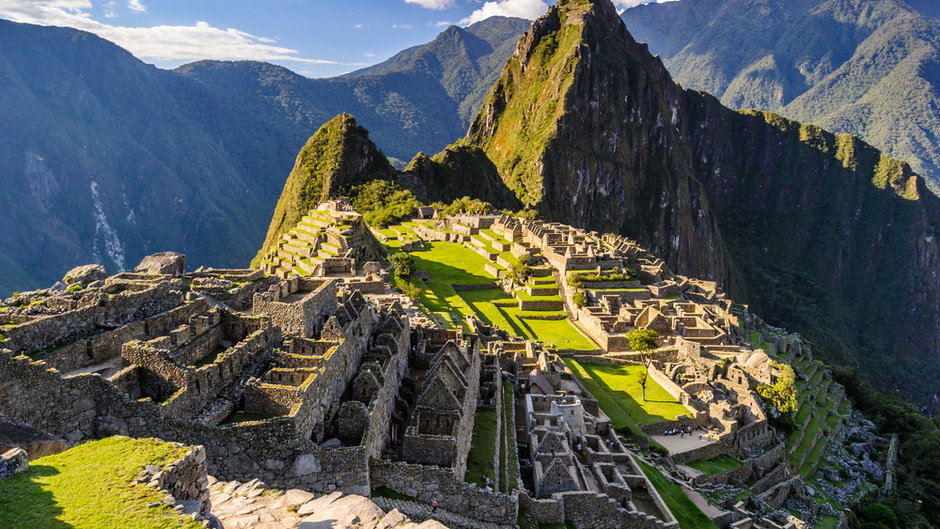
(338, 155)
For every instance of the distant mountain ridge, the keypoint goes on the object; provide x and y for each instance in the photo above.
(870, 68)
(107, 159)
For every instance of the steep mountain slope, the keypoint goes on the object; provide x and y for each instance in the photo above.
(870, 68)
(338, 155)
(107, 159)
(820, 232)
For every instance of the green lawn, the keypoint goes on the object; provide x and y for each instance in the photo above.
(451, 263)
(509, 454)
(687, 514)
(90, 487)
(716, 465)
(622, 384)
(482, 448)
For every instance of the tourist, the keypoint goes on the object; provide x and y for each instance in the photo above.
(433, 504)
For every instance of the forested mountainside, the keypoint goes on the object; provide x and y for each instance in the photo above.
(107, 159)
(870, 68)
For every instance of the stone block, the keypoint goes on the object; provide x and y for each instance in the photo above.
(13, 462)
(166, 263)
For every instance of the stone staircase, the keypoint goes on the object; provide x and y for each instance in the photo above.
(317, 236)
(420, 512)
(823, 409)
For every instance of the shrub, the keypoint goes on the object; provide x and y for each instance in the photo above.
(519, 273)
(74, 288)
(466, 205)
(643, 339)
(580, 299)
(404, 265)
(782, 393)
(383, 202)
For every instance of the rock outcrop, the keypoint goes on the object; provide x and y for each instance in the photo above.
(85, 275)
(36, 443)
(166, 263)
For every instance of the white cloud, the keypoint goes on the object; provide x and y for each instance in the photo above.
(440, 23)
(626, 4)
(367, 54)
(160, 43)
(136, 6)
(357, 26)
(432, 4)
(530, 9)
(110, 9)
(402, 26)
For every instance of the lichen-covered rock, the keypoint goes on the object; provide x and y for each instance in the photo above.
(85, 275)
(13, 461)
(167, 263)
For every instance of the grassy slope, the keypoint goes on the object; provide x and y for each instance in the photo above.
(687, 514)
(89, 487)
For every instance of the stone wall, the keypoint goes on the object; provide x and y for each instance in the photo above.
(302, 317)
(427, 483)
(589, 510)
(187, 480)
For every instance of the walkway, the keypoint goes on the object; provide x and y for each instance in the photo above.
(420, 512)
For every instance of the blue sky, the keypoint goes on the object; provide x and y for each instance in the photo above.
(317, 38)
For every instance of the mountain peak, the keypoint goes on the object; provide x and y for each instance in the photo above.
(338, 155)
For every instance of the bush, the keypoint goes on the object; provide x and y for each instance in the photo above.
(643, 339)
(383, 202)
(404, 265)
(579, 298)
(519, 273)
(466, 205)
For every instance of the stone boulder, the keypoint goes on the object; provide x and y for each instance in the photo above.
(37, 443)
(166, 263)
(85, 275)
(13, 461)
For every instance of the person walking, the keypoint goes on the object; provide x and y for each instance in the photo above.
(433, 505)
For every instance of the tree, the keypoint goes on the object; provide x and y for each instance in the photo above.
(404, 264)
(644, 342)
(782, 393)
(519, 273)
(580, 298)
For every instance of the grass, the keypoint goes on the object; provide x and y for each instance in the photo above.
(622, 384)
(687, 514)
(482, 449)
(90, 487)
(449, 263)
(385, 492)
(510, 454)
(715, 465)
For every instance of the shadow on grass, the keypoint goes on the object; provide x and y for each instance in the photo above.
(627, 403)
(24, 504)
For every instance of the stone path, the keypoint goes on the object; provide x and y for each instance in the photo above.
(422, 511)
(251, 505)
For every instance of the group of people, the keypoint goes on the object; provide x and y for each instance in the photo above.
(681, 432)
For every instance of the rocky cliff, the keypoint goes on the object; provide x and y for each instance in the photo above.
(818, 232)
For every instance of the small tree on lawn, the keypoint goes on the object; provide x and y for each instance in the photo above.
(644, 342)
(519, 273)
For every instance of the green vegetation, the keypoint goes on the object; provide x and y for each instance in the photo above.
(687, 514)
(448, 264)
(404, 265)
(74, 288)
(482, 449)
(519, 273)
(716, 465)
(577, 279)
(91, 487)
(464, 205)
(579, 298)
(510, 455)
(383, 202)
(618, 391)
(643, 340)
(782, 393)
(385, 492)
(916, 499)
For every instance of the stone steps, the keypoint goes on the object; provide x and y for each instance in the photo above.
(420, 512)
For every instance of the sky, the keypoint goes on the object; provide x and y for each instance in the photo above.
(316, 38)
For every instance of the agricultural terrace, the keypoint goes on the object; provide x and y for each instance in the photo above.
(447, 264)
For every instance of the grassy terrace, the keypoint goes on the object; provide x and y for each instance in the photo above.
(715, 465)
(90, 487)
(451, 263)
(482, 448)
(618, 389)
(509, 454)
(687, 514)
